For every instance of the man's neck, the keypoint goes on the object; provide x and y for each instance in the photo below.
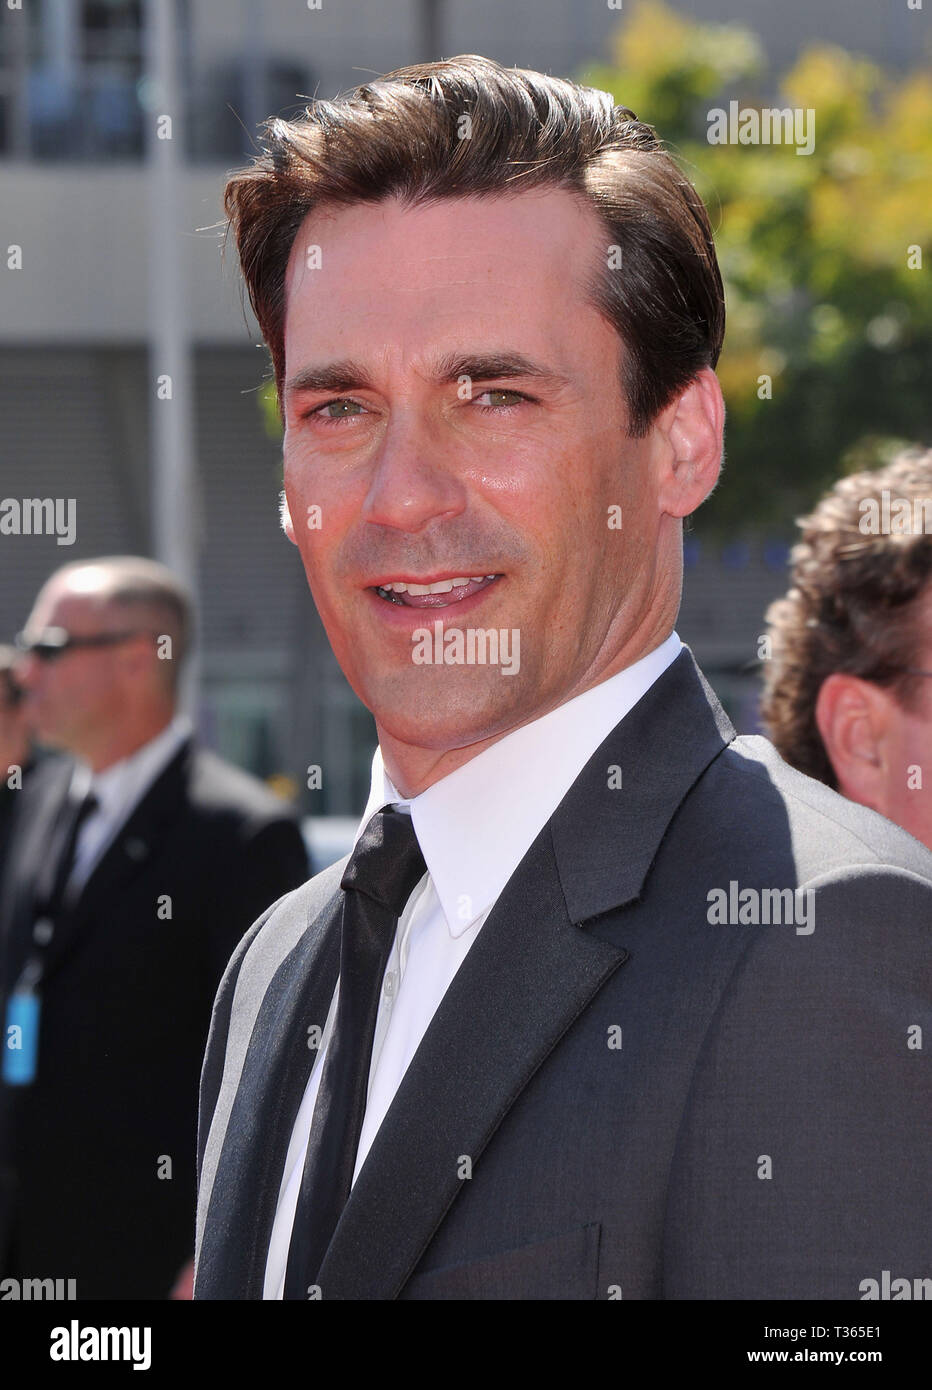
(124, 743)
(412, 769)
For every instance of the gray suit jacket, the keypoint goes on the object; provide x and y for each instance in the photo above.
(619, 1097)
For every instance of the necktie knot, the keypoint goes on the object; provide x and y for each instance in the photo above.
(387, 863)
(85, 808)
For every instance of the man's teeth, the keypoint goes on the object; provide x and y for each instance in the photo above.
(443, 586)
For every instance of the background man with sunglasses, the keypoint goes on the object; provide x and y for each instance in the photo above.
(138, 867)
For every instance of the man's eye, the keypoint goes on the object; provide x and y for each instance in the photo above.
(516, 396)
(345, 408)
(340, 403)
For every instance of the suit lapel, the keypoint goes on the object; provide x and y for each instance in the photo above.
(608, 828)
(255, 1145)
(31, 866)
(127, 855)
(531, 972)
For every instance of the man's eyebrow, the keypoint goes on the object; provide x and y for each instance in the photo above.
(347, 375)
(495, 366)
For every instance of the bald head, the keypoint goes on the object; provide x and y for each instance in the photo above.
(123, 627)
(129, 592)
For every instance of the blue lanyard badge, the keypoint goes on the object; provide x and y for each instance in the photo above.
(21, 1038)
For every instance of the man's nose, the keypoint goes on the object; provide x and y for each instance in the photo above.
(414, 480)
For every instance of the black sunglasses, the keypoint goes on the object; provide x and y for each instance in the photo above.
(53, 642)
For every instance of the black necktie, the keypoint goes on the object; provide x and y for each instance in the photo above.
(50, 897)
(385, 867)
(75, 816)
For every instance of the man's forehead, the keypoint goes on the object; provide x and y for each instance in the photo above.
(393, 284)
(61, 604)
(494, 237)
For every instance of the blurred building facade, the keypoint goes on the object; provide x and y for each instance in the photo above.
(76, 390)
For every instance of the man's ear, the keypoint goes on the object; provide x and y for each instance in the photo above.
(284, 514)
(692, 428)
(853, 718)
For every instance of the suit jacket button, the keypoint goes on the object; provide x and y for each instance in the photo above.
(43, 930)
(136, 849)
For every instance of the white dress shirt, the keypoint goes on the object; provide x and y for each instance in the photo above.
(474, 827)
(119, 789)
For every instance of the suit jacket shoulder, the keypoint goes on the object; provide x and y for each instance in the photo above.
(750, 781)
(251, 839)
(218, 786)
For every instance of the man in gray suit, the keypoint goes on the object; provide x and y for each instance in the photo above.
(607, 1002)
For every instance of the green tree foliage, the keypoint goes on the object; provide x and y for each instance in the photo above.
(825, 256)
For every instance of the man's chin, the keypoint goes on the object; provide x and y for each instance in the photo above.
(442, 711)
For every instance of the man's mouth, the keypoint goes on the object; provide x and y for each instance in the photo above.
(440, 594)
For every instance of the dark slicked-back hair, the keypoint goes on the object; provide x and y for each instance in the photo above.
(853, 605)
(470, 127)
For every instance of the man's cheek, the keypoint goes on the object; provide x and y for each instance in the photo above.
(307, 515)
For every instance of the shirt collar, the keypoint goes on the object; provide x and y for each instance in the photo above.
(475, 825)
(121, 785)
